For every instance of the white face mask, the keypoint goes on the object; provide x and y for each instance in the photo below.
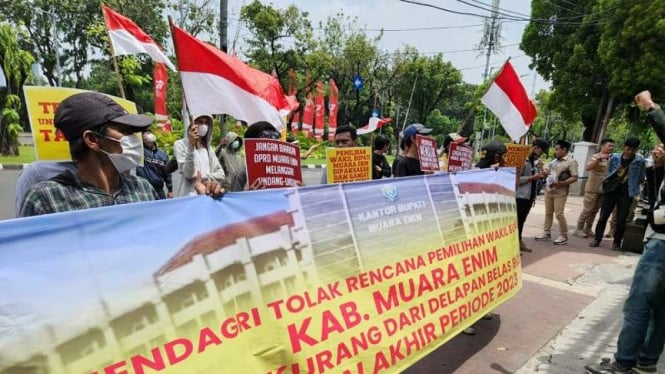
(235, 145)
(132, 151)
(202, 130)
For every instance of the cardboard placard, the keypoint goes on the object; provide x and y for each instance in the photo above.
(460, 157)
(350, 164)
(429, 161)
(275, 163)
(516, 154)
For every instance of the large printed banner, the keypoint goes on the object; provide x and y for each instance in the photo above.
(357, 278)
(50, 145)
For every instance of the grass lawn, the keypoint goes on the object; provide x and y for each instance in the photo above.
(26, 156)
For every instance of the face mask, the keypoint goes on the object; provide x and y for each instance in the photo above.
(235, 145)
(203, 130)
(132, 151)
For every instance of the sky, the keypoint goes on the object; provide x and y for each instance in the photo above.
(464, 32)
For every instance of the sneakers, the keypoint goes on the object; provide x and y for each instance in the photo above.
(644, 368)
(469, 331)
(561, 240)
(595, 243)
(544, 237)
(608, 367)
(581, 234)
(616, 246)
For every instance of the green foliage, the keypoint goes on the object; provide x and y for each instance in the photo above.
(10, 126)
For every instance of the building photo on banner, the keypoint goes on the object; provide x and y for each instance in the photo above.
(280, 280)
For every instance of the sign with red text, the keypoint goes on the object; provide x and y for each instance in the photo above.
(460, 157)
(429, 161)
(41, 102)
(363, 277)
(351, 164)
(516, 154)
(273, 163)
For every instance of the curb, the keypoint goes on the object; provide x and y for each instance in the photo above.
(13, 166)
(22, 166)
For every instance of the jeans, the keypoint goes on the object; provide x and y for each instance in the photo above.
(523, 209)
(620, 198)
(642, 335)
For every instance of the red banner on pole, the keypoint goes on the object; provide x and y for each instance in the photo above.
(319, 111)
(274, 163)
(333, 101)
(160, 81)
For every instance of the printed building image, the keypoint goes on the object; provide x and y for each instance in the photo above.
(328, 233)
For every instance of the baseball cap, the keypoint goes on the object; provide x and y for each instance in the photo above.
(88, 110)
(415, 128)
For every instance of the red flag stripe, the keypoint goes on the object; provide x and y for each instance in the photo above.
(510, 83)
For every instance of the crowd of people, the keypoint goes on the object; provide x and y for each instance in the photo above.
(106, 170)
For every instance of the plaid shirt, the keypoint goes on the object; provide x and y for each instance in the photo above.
(65, 192)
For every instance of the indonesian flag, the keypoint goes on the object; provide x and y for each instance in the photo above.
(508, 100)
(128, 39)
(333, 102)
(216, 83)
(160, 80)
(374, 123)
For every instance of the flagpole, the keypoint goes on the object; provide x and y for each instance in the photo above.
(185, 108)
(113, 58)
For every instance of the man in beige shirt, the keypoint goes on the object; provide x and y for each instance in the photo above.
(593, 191)
(562, 172)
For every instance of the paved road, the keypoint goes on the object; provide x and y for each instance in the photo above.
(8, 188)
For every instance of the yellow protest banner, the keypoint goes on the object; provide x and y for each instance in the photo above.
(51, 145)
(349, 164)
(516, 154)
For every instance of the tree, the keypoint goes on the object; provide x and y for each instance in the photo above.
(196, 16)
(631, 47)
(15, 63)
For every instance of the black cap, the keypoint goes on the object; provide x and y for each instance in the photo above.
(495, 147)
(88, 110)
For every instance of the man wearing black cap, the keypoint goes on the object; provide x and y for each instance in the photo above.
(410, 164)
(526, 187)
(104, 147)
(561, 173)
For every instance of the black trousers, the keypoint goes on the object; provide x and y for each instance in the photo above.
(523, 208)
(622, 201)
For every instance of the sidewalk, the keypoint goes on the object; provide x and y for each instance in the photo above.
(568, 313)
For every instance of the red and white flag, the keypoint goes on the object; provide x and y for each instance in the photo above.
(217, 83)
(333, 107)
(128, 39)
(374, 123)
(319, 110)
(508, 100)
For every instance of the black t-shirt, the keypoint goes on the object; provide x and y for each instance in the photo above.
(381, 162)
(409, 166)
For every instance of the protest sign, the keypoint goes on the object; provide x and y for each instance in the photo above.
(427, 153)
(274, 163)
(351, 164)
(460, 157)
(359, 278)
(41, 102)
(516, 154)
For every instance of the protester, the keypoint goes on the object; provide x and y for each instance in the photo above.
(492, 155)
(526, 187)
(196, 158)
(229, 155)
(104, 148)
(625, 173)
(34, 173)
(380, 165)
(593, 191)
(410, 164)
(398, 158)
(345, 137)
(562, 172)
(154, 166)
(642, 335)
